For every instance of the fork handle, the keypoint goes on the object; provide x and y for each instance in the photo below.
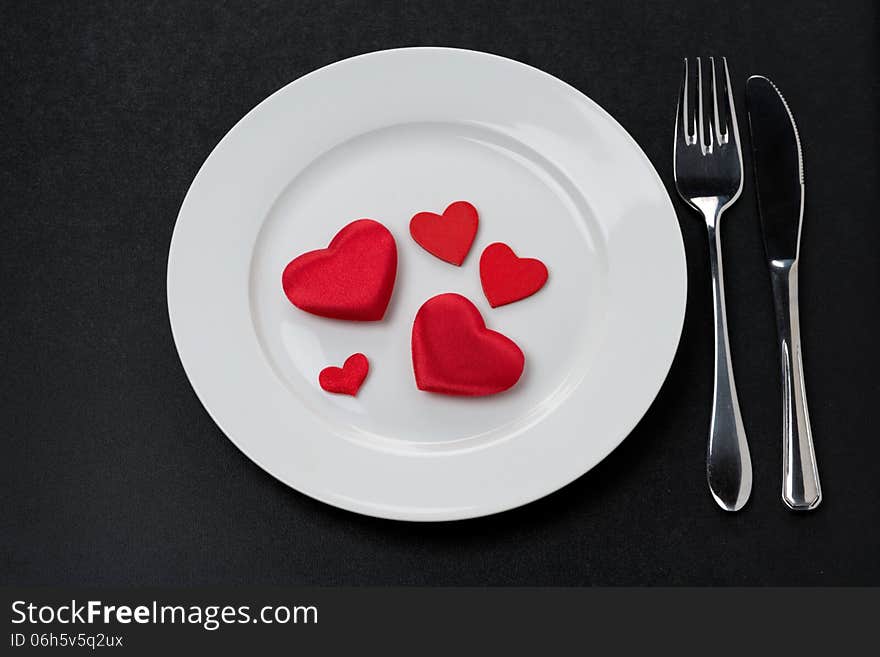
(801, 490)
(728, 463)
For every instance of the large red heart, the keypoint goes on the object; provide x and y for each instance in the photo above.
(448, 236)
(455, 354)
(345, 380)
(507, 278)
(353, 278)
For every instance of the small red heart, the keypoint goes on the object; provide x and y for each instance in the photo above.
(455, 354)
(448, 236)
(345, 380)
(352, 278)
(507, 278)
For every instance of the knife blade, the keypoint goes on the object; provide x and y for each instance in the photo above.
(779, 177)
(779, 168)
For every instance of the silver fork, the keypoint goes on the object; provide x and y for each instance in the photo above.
(708, 176)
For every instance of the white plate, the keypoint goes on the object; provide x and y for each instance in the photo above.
(386, 135)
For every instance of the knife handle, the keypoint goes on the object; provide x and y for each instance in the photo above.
(800, 476)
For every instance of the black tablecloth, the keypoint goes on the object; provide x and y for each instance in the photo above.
(114, 474)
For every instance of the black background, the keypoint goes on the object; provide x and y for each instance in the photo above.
(114, 474)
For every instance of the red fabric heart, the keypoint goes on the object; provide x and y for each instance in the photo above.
(345, 380)
(455, 354)
(507, 278)
(353, 278)
(448, 236)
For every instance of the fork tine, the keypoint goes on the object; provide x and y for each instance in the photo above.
(682, 132)
(718, 134)
(693, 92)
(700, 103)
(732, 124)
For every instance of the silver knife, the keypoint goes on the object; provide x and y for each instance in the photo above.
(779, 174)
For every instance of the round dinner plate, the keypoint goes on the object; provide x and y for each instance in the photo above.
(384, 136)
